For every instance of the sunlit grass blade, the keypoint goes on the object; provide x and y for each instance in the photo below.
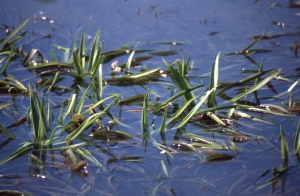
(168, 101)
(128, 64)
(194, 110)
(214, 76)
(12, 34)
(216, 118)
(144, 73)
(297, 139)
(257, 87)
(293, 86)
(71, 103)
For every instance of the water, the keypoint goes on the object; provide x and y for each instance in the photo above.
(205, 28)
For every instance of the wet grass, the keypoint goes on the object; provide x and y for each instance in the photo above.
(87, 118)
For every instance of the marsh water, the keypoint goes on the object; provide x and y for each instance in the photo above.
(163, 28)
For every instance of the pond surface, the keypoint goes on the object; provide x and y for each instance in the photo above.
(134, 166)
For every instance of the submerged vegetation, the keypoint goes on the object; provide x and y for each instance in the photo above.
(64, 134)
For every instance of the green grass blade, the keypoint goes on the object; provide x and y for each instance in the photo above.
(94, 51)
(82, 51)
(6, 131)
(144, 122)
(216, 118)
(257, 87)
(36, 117)
(128, 64)
(164, 168)
(81, 102)
(182, 109)
(9, 57)
(181, 83)
(77, 65)
(13, 33)
(71, 103)
(5, 105)
(284, 148)
(144, 73)
(194, 110)
(243, 81)
(245, 51)
(163, 123)
(297, 139)
(84, 125)
(162, 105)
(18, 152)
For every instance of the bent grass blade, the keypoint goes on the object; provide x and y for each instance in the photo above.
(256, 87)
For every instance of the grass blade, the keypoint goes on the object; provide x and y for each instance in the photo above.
(258, 86)
(128, 64)
(164, 168)
(297, 139)
(18, 152)
(13, 33)
(162, 105)
(9, 57)
(6, 131)
(214, 76)
(284, 149)
(194, 110)
(163, 123)
(84, 125)
(144, 122)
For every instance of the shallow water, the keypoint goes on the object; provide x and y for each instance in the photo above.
(205, 28)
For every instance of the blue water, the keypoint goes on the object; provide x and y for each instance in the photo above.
(205, 28)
